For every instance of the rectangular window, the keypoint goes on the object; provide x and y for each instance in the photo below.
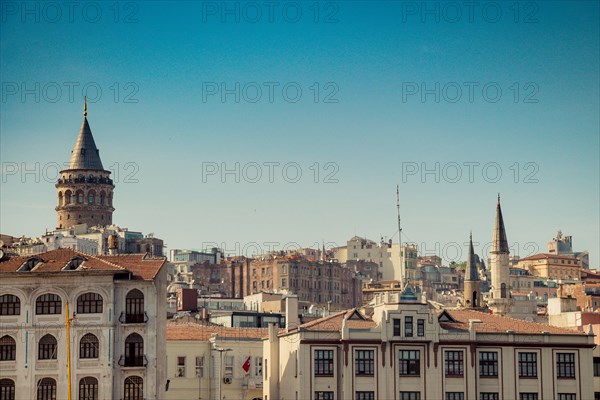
(323, 363)
(453, 363)
(420, 327)
(228, 366)
(396, 322)
(596, 366)
(455, 396)
(364, 362)
(200, 367)
(409, 362)
(408, 326)
(365, 396)
(596, 395)
(410, 395)
(565, 365)
(566, 396)
(488, 364)
(528, 396)
(181, 367)
(323, 395)
(488, 396)
(258, 366)
(528, 365)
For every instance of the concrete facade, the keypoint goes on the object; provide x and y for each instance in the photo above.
(109, 324)
(352, 356)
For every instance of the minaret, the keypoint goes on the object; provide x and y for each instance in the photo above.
(499, 264)
(85, 190)
(472, 290)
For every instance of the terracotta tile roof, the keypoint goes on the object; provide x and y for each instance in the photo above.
(495, 323)
(542, 256)
(193, 331)
(333, 322)
(140, 265)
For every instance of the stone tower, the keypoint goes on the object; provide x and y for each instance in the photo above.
(472, 286)
(85, 190)
(499, 265)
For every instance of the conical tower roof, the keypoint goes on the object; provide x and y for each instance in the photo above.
(499, 241)
(85, 154)
(471, 273)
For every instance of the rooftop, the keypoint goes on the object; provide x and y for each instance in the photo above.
(492, 323)
(543, 256)
(141, 266)
(194, 331)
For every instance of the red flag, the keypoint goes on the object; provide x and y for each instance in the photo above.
(246, 365)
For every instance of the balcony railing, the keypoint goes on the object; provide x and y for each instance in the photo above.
(107, 181)
(133, 361)
(125, 318)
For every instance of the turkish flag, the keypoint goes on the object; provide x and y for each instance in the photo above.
(246, 365)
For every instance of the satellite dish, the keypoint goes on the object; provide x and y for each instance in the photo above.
(1, 254)
(1, 243)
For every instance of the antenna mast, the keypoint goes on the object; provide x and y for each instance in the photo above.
(400, 237)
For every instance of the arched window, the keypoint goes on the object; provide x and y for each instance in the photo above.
(8, 349)
(7, 389)
(48, 304)
(47, 348)
(68, 197)
(88, 388)
(89, 346)
(46, 389)
(89, 303)
(503, 291)
(79, 197)
(10, 305)
(102, 196)
(91, 198)
(134, 307)
(134, 351)
(60, 199)
(134, 388)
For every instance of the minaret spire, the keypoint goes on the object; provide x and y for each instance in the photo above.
(471, 273)
(499, 241)
(85, 106)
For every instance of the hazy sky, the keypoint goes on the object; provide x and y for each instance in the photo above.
(314, 111)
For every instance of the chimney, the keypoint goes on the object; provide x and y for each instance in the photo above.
(291, 312)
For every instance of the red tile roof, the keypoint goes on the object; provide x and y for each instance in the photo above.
(542, 256)
(333, 322)
(140, 265)
(193, 331)
(492, 323)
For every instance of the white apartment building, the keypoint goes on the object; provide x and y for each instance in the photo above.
(116, 337)
(384, 254)
(407, 350)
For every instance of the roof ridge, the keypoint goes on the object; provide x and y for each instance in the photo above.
(323, 319)
(539, 324)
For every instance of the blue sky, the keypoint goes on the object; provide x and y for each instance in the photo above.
(380, 85)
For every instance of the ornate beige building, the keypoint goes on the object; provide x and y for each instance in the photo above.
(406, 350)
(117, 326)
(85, 190)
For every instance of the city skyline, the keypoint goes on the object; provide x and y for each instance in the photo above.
(361, 110)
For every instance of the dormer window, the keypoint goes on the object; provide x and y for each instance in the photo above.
(30, 264)
(74, 263)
